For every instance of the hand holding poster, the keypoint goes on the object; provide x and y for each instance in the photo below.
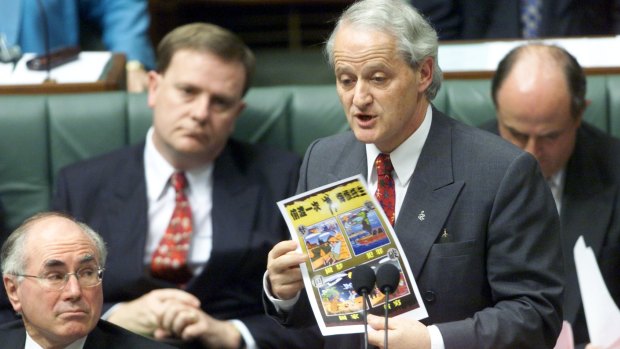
(340, 226)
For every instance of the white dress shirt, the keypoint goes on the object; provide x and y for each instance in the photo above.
(556, 184)
(31, 344)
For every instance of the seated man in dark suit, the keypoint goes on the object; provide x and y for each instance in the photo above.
(473, 213)
(189, 215)
(52, 268)
(539, 94)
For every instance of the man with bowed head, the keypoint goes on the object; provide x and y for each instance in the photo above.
(190, 214)
(52, 268)
(539, 93)
(484, 253)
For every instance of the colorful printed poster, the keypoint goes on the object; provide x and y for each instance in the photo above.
(340, 226)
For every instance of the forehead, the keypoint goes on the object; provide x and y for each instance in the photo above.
(57, 238)
(205, 69)
(535, 92)
(355, 44)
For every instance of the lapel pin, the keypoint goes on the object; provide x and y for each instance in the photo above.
(422, 215)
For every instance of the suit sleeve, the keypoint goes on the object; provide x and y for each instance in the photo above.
(524, 268)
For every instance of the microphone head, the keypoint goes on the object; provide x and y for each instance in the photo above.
(363, 278)
(388, 277)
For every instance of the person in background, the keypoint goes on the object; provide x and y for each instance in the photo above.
(547, 18)
(472, 212)
(121, 25)
(455, 19)
(190, 214)
(539, 93)
(52, 267)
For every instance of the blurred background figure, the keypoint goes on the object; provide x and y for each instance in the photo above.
(539, 94)
(489, 19)
(114, 25)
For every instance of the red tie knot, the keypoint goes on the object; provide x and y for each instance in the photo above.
(179, 182)
(384, 165)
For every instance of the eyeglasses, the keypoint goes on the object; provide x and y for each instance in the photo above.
(56, 281)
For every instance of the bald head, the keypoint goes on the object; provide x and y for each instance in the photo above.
(550, 60)
(539, 95)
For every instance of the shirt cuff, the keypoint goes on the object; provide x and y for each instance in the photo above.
(436, 338)
(107, 314)
(282, 306)
(250, 343)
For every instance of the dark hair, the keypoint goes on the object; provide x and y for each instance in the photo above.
(575, 77)
(205, 37)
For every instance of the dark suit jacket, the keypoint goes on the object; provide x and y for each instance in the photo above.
(590, 207)
(456, 19)
(104, 335)
(109, 194)
(496, 280)
(559, 18)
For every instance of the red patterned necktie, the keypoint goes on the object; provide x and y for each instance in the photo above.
(169, 260)
(386, 194)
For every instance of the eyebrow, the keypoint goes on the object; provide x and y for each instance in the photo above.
(54, 263)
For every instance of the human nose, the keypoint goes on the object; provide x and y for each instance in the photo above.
(200, 109)
(72, 288)
(532, 146)
(362, 96)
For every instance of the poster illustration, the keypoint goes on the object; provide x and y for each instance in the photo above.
(340, 226)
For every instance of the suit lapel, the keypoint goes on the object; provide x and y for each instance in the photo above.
(13, 336)
(235, 204)
(352, 161)
(430, 195)
(587, 205)
(127, 212)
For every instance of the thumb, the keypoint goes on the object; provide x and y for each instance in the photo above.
(376, 322)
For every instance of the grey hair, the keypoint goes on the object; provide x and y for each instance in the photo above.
(13, 254)
(415, 37)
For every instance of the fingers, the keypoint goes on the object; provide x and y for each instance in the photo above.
(172, 294)
(177, 317)
(402, 333)
(283, 269)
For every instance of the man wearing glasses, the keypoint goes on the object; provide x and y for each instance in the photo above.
(52, 267)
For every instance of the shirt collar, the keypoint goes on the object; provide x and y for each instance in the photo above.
(31, 344)
(158, 171)
(557, 180)
(405, 156)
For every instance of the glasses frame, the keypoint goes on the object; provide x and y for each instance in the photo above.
(42, 280)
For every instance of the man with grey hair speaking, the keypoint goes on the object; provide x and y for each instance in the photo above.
(473, 213)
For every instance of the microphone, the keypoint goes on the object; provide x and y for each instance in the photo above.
(388, 277)
(363, 278)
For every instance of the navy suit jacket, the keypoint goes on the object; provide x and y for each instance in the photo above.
(109, 194)
(104, 335)
(590, 207)
(496, 280)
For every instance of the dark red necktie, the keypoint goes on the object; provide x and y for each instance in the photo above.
(386, 194)
(169, 260)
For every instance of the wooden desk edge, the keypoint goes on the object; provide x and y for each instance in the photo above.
(115, 79)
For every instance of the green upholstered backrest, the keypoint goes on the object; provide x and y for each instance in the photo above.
(40, 134)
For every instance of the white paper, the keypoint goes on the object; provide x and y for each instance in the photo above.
(602, 314)
(87, 68)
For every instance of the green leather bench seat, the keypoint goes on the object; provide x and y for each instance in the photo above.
(39, 134)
